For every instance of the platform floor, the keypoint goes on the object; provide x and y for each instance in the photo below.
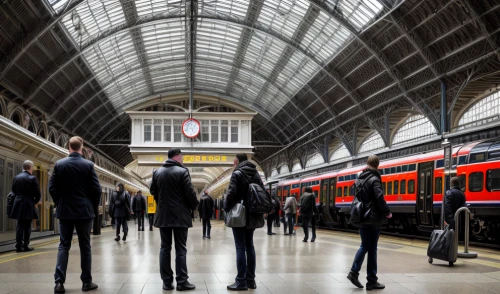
(284, 265)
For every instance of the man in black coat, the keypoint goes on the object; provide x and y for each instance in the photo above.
(75, 189)
(244, 173)
(139, 207)
(271, 217)
(205, 210)
(25, 187)
(454, 199)
(175, 198)
(308, 211)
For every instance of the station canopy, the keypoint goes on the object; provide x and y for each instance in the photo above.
(313, 70)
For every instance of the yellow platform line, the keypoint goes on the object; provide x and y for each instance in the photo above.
(25, 256)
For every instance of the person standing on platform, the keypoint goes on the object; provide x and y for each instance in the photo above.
(273, 215)
(369, 185)
(27, 190)
(151, 207)
(75, 189)
(308, 211)
(244, 173)
(290, 209)
(205, 211)
(120, 206)
(175, 199)
(139, 207)
(454, 199)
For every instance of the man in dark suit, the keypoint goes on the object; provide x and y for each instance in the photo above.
(75, 189)
(454, 199)
(25, 187)
(139, 207)
(175, 198)
(205, 210)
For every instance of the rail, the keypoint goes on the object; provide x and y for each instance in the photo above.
(466, 253)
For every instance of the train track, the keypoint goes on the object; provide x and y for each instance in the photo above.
(408, 236)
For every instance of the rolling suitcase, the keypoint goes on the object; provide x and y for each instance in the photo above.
(442, 246)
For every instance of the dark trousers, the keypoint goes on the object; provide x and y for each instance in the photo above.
(270, 220)
(305, 226)
(290, 222)
(151, 217)
(243, 240)
(121, 222)
(23, 233)
(206, 227)
(140, 219)
(369, 240)
(66, 227)
(180, 238)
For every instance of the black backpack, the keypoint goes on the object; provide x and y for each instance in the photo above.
(259, 201)
(359, 212)
(10, 202)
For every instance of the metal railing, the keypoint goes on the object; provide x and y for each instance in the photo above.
(466, 253)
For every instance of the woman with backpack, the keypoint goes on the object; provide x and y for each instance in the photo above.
(120, 207)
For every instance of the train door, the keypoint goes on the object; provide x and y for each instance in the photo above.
(331, 197)
(323, 199)
(424, 200)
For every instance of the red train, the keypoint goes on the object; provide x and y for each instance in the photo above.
(414, 188)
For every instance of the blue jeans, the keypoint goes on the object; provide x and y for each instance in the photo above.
(243, 239)
(369, 240)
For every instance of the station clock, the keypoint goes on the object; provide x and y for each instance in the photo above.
(191, 128)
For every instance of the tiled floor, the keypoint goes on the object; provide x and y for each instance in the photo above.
(285, 265)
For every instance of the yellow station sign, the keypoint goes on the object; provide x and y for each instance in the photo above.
(199, 158)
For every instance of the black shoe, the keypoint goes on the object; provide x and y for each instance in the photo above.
(251, 284)
(286, 234)
(313, 239)
(26, 249)
(19, 250)
(376, 286)
(117, 238)
(305, 240)
(208, 237)
(168, 286)
(353, 277)
(186, 287)
(204, 237)
(151, 229)
(59, 288)
(124, 237)
(235, 287)
(270, 234)
(89, 286)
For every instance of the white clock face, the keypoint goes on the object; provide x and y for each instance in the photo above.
(191, 128)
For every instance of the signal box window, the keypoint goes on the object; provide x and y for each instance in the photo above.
(396, 187)
(493, 180)
(411, 187)
(476, 182)
(403, 187)
(389, 188)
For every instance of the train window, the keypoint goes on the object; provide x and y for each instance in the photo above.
(438, 186)
(494, 152)
(345, 190)
(462, 160)
(476, 181)
(387, 171)
(354, 177)
(462, 182)
(339, 192)
(411, 186)
(396, 187)
(440, 163)
(493, 178)
(389, 188)
(476, 157)
(381, 171)
(351, 190)
(412, 167)
(398, 169)
(384, 186)
(403, 187)
(341, 179)
(405, 168)
(393, 170)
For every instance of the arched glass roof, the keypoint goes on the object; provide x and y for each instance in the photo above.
(315, 159)
(339, 153)
(372, 143)
(416, 127)
(484, 111)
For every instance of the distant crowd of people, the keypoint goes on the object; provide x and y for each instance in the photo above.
(76, 192)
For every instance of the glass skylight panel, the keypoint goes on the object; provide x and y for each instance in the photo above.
(359, 13)
(315, 159)
(487, 109)
(157, 7)
(57, 4)
(372, 143)
(164, 41)
(234, 8)
(340, 153)
(283, 16)
(415, 128)
(212, 74)
(93, 17)
(263, 53)
(217, 41)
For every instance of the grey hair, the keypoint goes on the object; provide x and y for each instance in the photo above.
(27, 164)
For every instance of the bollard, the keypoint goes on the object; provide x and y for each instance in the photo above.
(466, 253)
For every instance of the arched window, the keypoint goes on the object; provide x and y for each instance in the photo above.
(315, 159)
(340, 153)
(484, 111)
(371, 143)
(42, 133)
(415, 128)
(296, 166)
(16, 118)
(274, 173)
(284, 169)
(52, 137)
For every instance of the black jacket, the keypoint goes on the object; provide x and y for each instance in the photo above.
(74, 187)
(206, 206)
(138, 203)
(311, 206)
(174, 195)
(454, 199)
(238, 189)
(25, 187)
(372, 192)
(120, 204)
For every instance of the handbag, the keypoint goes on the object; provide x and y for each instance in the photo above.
(10, 202)
(360, 213)
(237, 216)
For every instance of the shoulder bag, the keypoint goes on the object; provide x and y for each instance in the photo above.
(237, 216)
